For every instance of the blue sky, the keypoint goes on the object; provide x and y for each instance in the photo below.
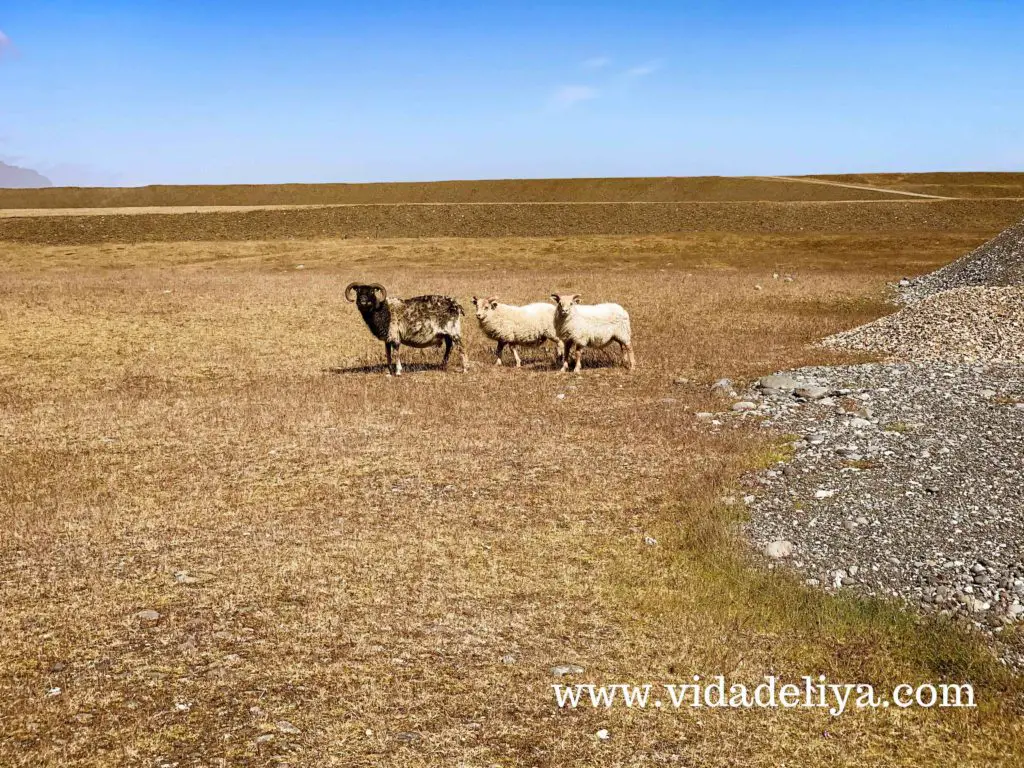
(229, 92)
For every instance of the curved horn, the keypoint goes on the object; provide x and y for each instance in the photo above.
(489, 299)
(381, 288)
(348, 291)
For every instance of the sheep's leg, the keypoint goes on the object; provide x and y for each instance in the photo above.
(387, 354)
(559, 351)
(498, 351)
(565, 357)
(447, 351)
(632, 357)
(579, 359)
(398, 361)
(463, 355)
(515, 354)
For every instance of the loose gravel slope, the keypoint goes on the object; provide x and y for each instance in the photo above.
(1000, 261)
(907, 476)
(959, 325)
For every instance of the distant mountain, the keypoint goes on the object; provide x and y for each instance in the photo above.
(13, 177)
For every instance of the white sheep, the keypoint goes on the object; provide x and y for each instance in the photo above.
(591, 325)
(513, 326)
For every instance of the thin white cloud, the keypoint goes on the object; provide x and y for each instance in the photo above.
(644, 69)
(570, 95)
(597, 62)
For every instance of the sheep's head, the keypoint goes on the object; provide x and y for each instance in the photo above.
(564, 301)
(484, 307)
(366, 295)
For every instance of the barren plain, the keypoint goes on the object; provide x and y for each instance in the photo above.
(228, 538)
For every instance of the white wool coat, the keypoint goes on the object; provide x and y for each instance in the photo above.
(528, 325)
(593, 325)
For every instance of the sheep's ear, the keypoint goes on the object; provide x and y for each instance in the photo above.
(474, 301)
(576, 299)
(554, 297)
(494, 304)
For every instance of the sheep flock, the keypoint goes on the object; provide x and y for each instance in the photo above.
(432, 320)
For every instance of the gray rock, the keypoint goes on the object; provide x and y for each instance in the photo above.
(744, 405)
(723, 387)
(285, 727)
(148, 615)
(811, 393)
(778, 382)
(567, 669)
(779, 549)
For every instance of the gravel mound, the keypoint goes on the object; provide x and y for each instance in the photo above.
(905, 483)
(957, 325)
(907, 476)
(998, 262)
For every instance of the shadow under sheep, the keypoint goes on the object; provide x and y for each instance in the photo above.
(594, 360)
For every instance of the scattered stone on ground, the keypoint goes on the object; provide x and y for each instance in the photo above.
(906, 476)
(922, 501)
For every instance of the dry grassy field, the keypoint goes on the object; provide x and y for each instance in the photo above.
(202, 427)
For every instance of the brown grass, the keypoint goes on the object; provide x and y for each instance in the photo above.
(367, 550)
